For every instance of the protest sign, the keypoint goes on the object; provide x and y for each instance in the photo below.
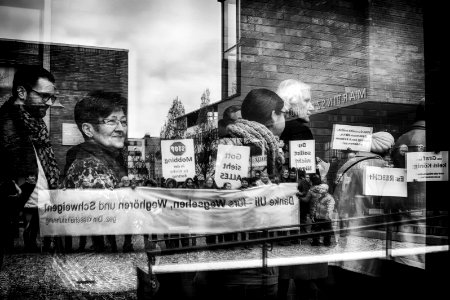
(356, 138)
(384, 182)
(178, 160)
(159, 210)
(427, 166)
(302, 155)
(232, 164)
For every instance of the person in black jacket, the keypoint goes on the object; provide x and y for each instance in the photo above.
(25, 147)
(297, 100)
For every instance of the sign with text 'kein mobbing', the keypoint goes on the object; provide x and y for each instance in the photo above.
(302, 155)
(356, 138)
(231, 165)
(384, 182)
(427, 166)
(178, 159)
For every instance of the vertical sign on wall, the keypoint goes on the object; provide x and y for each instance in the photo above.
(302, 155)
(178, 160)
(232, 164)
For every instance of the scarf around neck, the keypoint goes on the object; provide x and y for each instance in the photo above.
(39, 136)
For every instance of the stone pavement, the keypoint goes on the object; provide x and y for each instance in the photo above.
(90, 275)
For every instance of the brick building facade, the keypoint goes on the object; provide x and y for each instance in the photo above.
(77, 70)
(338, 47)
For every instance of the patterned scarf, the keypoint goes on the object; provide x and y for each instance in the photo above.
(40, 138)
(258, 134)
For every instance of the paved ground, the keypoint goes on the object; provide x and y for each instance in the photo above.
(92, 275)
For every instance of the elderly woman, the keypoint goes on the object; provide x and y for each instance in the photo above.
(101, 118)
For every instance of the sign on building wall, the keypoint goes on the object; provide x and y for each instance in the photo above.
(356, 138)
(71, 135)
(232, 164)
(384, 182)
(178, 160)
(302, 155)
(347, 98)
(427, 166)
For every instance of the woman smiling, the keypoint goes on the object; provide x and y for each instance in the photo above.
(99, 161)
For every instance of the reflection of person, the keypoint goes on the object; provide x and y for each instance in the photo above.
(351, 201)
(264, 179)
(24, 140)
(262, 122)
(101, 118)
(297, 100)
(322, 206)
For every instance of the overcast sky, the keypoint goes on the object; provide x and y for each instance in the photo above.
(174, 47)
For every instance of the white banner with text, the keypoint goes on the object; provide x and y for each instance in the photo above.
(157, 210)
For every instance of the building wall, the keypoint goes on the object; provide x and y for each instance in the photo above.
(336, 47)
(77, 70)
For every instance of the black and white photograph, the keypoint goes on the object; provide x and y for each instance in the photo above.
(223, 149)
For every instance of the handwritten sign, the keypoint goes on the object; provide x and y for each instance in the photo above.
(302, 155)
(384, 182)
(178, 160)
(356, 138)
(427, 166)
(232, 164)
(159, 210)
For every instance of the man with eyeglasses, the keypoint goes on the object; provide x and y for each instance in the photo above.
(25, 148)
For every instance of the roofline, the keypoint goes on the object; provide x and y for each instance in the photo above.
(209, 105)
(62, 44)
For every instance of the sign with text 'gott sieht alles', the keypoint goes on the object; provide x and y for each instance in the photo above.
(356, 138)
(302, 155)
(231, 165)
(384, 182)
(178, 159)
(427, 166)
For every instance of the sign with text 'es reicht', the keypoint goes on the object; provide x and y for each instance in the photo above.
(232, 164)
(427, 166)
(384, 182)
(302, 155)
(178, 160)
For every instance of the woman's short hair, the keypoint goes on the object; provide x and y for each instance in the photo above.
(97, 105)
(259, 104)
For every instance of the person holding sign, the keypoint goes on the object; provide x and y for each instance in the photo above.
(101, 118)
(351, 202)
(261, 124)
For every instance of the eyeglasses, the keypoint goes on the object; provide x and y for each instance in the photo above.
(114, 122)
(48, 99)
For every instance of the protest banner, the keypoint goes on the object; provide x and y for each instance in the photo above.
(303, 155)
(232, 164)
(384, 182)
(356, 138)
(427, 166)
(159, 210)
(178, 159)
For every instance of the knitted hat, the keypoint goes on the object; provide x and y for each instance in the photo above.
(382, 142)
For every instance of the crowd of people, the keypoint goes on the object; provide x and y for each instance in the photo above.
(29, 166)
